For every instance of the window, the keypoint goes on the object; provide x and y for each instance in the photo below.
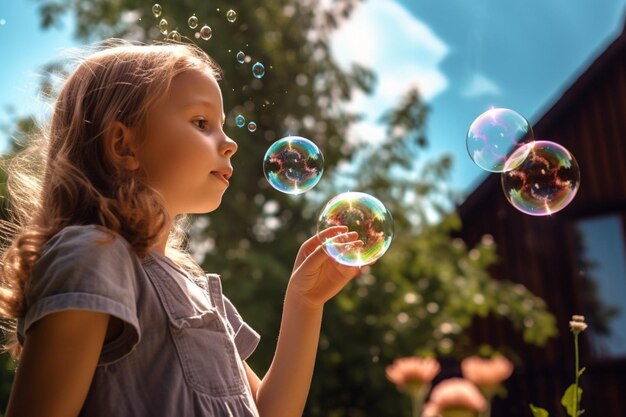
(602, 268)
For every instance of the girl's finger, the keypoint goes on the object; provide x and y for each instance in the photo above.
(315, 260)
(320, 237)
(330, 232)
(343, 238)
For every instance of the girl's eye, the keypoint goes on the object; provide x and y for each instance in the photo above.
(201, 124)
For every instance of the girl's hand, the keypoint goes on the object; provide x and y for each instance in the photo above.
(316, 277)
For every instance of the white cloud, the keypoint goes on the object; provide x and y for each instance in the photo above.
(402, 51)
(480, 85)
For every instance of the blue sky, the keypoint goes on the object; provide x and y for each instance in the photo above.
(465, 56)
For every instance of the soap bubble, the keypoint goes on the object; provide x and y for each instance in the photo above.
(545, 182)
(240, 121)
(192, 22)
(163, 26)
(206, 32)
(231, 15)
(258, 70)
(251, 126)
(363, 214)
(241, 57)
(174, 35)
(494, 136)
(293, 165)
(157, 10)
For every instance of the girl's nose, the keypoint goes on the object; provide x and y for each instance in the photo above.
(229, 147)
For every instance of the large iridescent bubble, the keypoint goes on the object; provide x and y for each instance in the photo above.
(546, 181)
(363, 214)
(293, 165)
(494, 136)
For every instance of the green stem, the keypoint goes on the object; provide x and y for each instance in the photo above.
(416, 402)
(488, 396)
(576, 379)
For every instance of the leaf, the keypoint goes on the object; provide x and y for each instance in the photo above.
(568, 400)
(538, 411)
(581, 371)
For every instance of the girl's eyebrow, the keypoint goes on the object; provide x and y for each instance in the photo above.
(200, 102)
(205, 103)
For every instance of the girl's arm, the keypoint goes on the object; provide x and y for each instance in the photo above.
(57, 364)
(316, 278)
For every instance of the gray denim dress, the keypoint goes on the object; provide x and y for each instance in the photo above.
(183, 344)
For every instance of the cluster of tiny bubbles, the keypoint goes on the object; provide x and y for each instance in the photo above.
(494, 136)
(163, 26)
(206, 32)
(192, 21)
(251, 126)
(240, 121)
(157, 10)
(231, 15)
(361, 213)
(545, 182)
(293, 165)
(174, 35)
(241, 57)
(258, 70)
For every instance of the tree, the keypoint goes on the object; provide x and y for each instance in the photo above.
(409, 302)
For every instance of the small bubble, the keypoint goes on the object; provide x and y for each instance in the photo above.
(197, 35)
(241, 57)
(174, 36)
(2, 22)
(231, 15)
(192, 22)
(163, 26)
(240, 121)
(206, 32)
(258, 70)
(157, 10)
(252, 126)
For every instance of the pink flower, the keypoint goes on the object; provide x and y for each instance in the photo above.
(456, 393)
(486, 372)
(412, 371)
(430, 410)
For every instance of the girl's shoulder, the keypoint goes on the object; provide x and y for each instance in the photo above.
(80, 248)
(84, 238)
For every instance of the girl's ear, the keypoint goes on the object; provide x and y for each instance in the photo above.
(119, 141)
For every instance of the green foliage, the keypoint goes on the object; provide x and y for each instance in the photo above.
(538, 411)
(571, 399)
(422, 295)
(7, 370)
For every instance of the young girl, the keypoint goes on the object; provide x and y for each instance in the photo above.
(114, 318)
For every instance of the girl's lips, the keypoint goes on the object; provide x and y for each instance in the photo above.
(221, 177)
(223, 174)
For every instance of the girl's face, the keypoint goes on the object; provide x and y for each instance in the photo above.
(186, 153)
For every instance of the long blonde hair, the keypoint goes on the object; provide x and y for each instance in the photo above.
(65, 175)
